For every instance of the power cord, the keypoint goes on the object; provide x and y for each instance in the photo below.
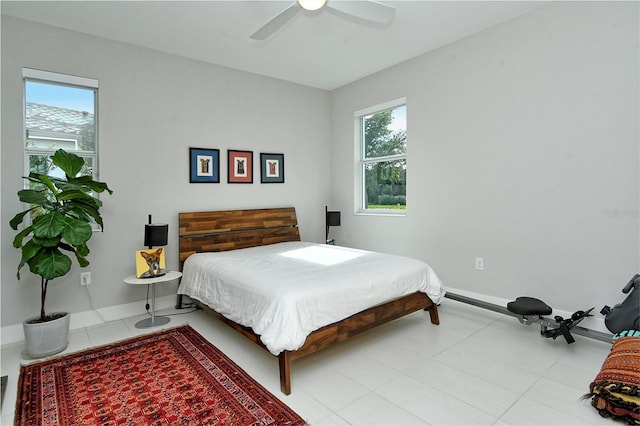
(181, 313)
(146, 307)
(92, 306)
(191, 305)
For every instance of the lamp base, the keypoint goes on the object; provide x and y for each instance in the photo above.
(152, 322)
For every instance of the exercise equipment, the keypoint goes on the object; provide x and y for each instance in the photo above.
(530, 311)
(625, 315)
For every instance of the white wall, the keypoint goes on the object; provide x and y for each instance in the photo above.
(152, 108)
(523, 148)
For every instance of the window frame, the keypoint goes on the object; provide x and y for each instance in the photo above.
(361, 160)
(54, 78)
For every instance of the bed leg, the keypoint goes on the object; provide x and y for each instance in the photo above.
(433, 313)
(284, 362)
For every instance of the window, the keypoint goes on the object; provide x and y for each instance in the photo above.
(381, 140)
(60, 112)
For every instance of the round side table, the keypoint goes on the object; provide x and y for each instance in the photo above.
(154, 320)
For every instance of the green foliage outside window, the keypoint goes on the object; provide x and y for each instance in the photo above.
(385, 175)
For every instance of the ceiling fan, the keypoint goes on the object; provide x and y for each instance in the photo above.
(368, 9)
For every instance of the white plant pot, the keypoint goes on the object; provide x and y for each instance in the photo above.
(46, 338)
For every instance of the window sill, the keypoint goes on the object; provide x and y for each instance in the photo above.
(381, 212)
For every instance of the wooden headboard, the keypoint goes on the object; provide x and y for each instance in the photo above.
(235, 229)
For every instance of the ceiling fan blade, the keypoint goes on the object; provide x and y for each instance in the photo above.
(276, 22)
(369, 10)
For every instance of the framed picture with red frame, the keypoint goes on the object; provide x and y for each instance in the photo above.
(239, 166)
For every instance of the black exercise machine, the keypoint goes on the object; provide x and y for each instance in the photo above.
(625, 315)
(529, 311)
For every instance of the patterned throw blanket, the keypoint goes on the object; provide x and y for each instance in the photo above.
(615, 392)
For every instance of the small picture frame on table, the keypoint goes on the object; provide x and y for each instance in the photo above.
(204, 165)
(239, 166)
(271, 168)
(150, 263)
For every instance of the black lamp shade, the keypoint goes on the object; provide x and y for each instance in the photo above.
(155, 234)
(333, 218)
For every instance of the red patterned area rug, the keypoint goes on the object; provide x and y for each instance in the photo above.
(175, 377)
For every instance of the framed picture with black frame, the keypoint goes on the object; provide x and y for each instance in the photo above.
(239, 166)
(271, 168)
(204, 165)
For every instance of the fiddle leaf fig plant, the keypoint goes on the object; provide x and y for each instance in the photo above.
(61, 211)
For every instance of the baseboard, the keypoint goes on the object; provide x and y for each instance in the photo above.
(13, 334)
(592, 323)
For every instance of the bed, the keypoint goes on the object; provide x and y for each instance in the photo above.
(249, 269)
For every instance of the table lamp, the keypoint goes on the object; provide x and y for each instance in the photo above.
(155, 234)
(331, 219)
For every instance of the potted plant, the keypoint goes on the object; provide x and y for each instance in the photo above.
(61, 212)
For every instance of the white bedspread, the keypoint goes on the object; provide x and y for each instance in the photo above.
(285, 291)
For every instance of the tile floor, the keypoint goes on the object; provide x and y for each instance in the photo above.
(477, 367)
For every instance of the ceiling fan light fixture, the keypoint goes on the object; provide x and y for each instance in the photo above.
(311, 4)
(370, 10)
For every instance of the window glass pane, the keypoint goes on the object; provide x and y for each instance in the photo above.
(42, 164)
(59, 116)
(385, 133)
(385, 184)
(59, 113)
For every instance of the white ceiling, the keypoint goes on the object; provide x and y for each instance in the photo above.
(324, 49)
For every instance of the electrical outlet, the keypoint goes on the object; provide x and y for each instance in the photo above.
(85, 278)
(480, 263)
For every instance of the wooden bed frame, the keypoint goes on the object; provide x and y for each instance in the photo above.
(234, 229)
